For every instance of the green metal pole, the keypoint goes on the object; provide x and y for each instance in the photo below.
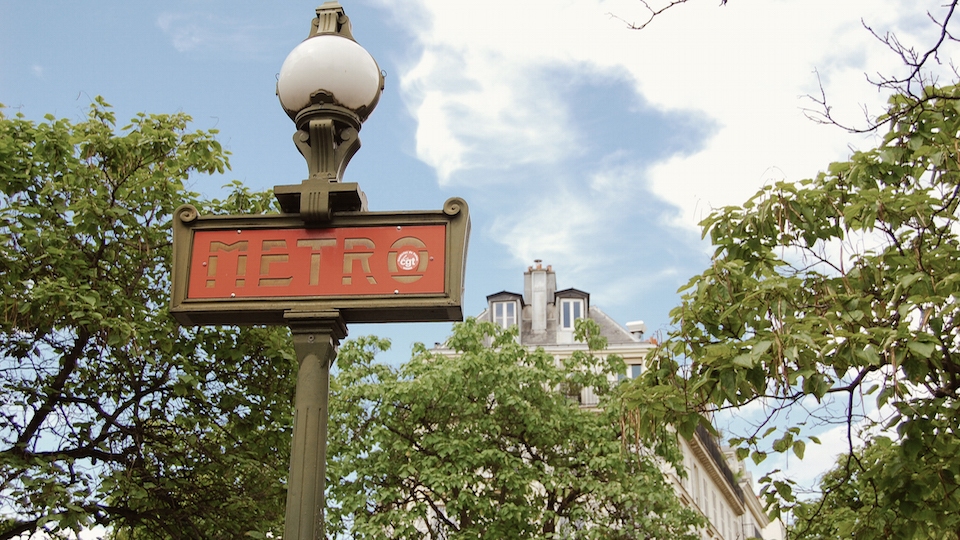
(315, 339)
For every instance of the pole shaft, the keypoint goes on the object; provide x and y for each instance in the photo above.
(315, 342)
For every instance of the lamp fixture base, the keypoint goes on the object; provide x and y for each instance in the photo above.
(317, 200)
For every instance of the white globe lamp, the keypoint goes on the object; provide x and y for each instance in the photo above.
(328, 85)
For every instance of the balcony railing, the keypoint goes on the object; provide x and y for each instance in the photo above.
(710, 443)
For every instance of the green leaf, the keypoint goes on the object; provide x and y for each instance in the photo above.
(923, 349)
(798, 448)
(744, 360)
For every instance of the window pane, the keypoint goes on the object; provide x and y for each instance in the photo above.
(570, 311)
(634, 371)
(505, 314)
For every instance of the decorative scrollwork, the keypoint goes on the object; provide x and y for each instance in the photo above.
(454, 206)
(187, 213)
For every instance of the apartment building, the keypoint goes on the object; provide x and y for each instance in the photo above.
(716, 483)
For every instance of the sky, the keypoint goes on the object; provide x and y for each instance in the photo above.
(574, 139)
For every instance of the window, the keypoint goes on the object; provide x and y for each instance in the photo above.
(570, 310)
(505, 314)
(633, 371)
(696, 484)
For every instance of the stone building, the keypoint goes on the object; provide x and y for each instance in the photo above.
(716, 484)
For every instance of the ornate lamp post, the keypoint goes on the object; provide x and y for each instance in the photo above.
(328, 85)
(325, 260)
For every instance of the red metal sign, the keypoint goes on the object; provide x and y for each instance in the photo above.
(369, 267)
(297, 263)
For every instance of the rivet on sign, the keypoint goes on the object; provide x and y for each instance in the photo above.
(396, 291)
(233, 295)
(431, 258)
(399, 227)
(311, 338)
(238, 231)
(204, 264)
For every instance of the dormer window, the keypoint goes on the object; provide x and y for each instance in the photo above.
(571, 309)
(505, 314)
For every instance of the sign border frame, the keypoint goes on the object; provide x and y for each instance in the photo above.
(382, 308)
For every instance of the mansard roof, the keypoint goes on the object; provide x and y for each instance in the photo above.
(504, 295)
(573, 293)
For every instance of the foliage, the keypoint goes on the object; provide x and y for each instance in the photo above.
(481, 444)
(875, 494)
(112, 414)
(840, 291)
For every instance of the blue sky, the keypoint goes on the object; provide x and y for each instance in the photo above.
(574, 139)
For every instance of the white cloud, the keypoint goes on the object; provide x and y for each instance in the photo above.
(482, 90)
(93, 534)
(483, 97)
(185, 33)
(559, 226)
(503, 93)
(207, 32)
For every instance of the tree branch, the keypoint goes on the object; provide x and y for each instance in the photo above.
(917, 76)
(69, 363)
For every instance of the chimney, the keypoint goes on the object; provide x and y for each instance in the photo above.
(539, 286)
(637, 329)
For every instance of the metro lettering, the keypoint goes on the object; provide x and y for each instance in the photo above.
(318, 262)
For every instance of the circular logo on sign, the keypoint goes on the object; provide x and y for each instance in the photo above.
(408, 260)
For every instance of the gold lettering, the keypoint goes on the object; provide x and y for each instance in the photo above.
(267, 260)
(363, 257)
(211, 271)
(316, 245)
(223, 246)
(352, 243)
(241, 270)
(212, 260)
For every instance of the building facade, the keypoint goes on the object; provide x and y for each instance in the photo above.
(716, 483)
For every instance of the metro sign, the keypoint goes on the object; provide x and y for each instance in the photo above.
(371, 266)
(344, 261)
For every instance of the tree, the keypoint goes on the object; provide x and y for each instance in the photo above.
(833, 301)
(482, 444)
(876, 497)
(112, 414)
